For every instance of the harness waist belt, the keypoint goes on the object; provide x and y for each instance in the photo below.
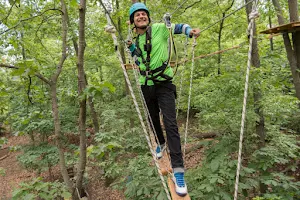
(161, 68)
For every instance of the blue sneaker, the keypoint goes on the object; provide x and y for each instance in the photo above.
(180, 186)
(160, 151)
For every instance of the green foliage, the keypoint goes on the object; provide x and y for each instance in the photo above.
(3, 141)
(216, 177)
(115, 142)
(34, 46)
(39, 189)
(142, 180)
(39, 158)
(281, 152)
(262, 198)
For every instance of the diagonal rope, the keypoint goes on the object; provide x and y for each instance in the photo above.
(189, 99)
(252, 17)
(175, 9)
(136, 104)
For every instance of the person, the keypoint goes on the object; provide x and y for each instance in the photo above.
(151, 49)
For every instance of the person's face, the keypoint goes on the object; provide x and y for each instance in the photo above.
(140, 19)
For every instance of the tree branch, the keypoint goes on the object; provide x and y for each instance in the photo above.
(64, 42)
(23, 20)
(36, 34)
(40, 76)
(191, 5)
(8, 13)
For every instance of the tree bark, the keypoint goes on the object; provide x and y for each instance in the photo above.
(90, 99)
(82, 103)
(294, 17)
(291, 55)
(220, 35)
(58, 136)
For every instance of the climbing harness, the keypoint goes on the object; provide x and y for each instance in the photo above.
(154, 74)
(252, 16)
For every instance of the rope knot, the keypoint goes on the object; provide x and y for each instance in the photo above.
(110, 29)
(254, 14)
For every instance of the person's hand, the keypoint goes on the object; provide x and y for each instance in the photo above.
(195, 32)
(129, 43)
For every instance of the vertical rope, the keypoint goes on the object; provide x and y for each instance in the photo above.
(189, 99)
(181, 76)
(252, 16)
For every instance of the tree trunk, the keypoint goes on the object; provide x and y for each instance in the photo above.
(260, 123)
(122, 51)
(294, 17)
(81, 87)
(291, 55)
(220, 36)
(58, 136)
(90, 99)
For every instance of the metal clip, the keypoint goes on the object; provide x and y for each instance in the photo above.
(167, 19)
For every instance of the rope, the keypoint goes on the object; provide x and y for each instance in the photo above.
(214, 53)
(189, 99)
(181, 75)
(175, 9)
(253, 15)
(110, 29)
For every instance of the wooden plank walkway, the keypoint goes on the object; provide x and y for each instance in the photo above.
(290, 27)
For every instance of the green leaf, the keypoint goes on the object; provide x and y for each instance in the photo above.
(139, 192)
(214, 165)
(74, 3)
(161, 196)
(66, 195)
(213, 180)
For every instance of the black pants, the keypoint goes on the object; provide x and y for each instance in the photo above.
(162, 97)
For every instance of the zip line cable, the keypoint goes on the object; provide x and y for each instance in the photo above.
(176, 9)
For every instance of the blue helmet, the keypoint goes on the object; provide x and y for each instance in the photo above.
(136, 7)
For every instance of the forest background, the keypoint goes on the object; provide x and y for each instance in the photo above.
(62, 85)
